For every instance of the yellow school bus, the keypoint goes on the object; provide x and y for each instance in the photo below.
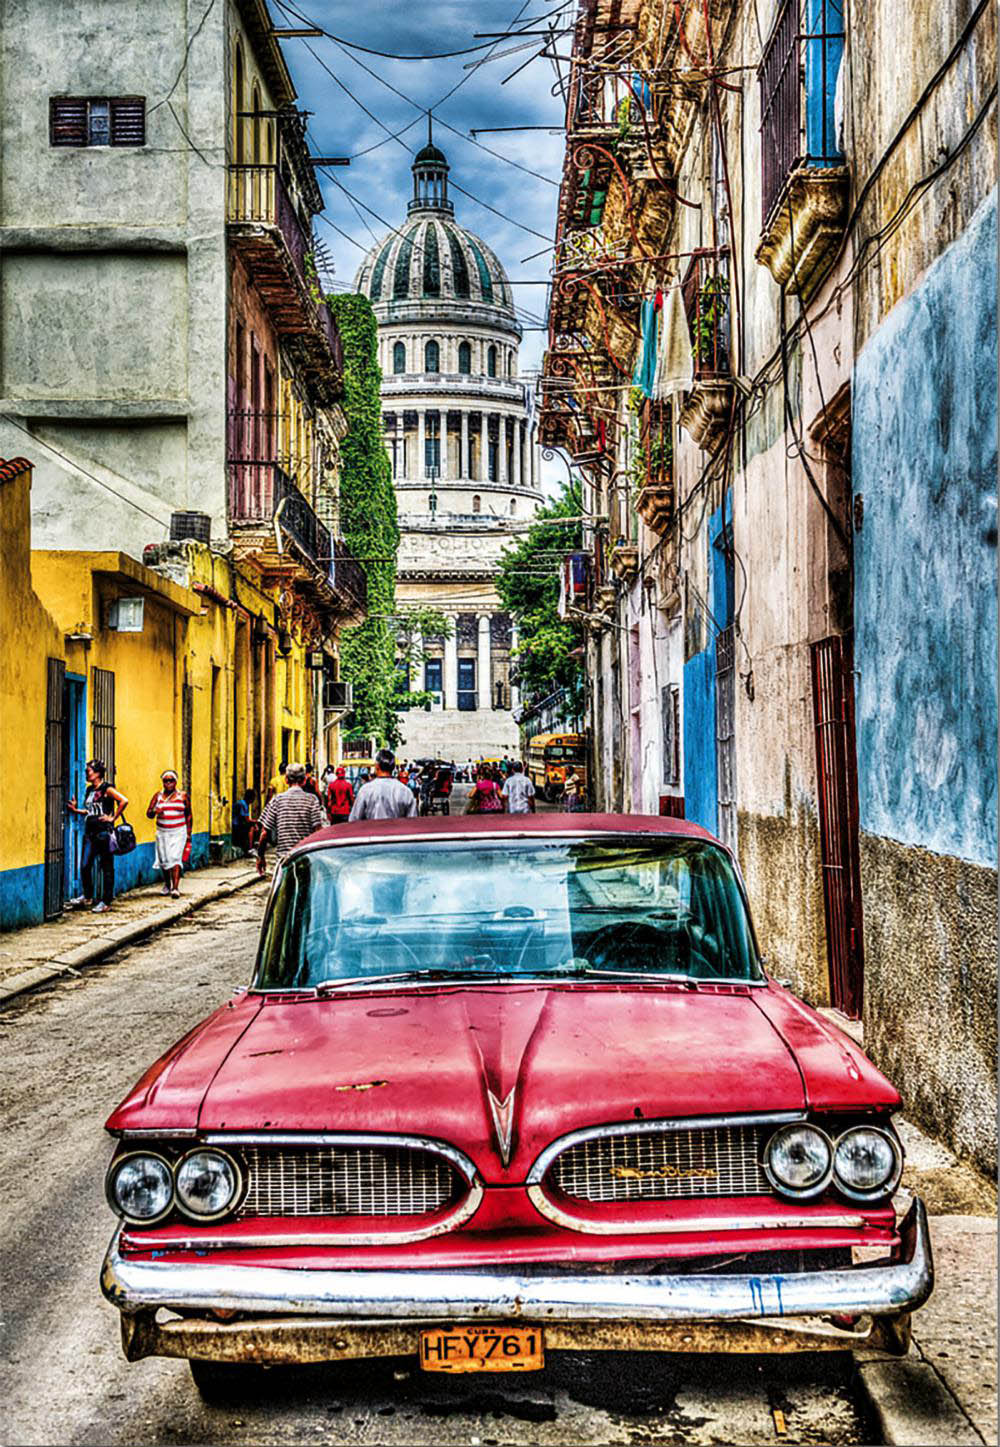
(548, 758)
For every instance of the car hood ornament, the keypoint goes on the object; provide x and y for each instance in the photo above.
(502, 1112)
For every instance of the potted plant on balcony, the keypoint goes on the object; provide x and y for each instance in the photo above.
(709, 347)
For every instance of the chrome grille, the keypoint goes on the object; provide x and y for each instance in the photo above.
(348, 1181)
(663, 1165)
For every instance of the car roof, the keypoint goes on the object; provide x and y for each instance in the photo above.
(469, 826)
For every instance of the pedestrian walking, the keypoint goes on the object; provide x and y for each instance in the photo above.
(518, 792)
(171, 808)
(485, 797)
(278, 784)
(102, 807)
(339, 797)
(572, 791)
(289, 817)
(242, 810)
(384, 797)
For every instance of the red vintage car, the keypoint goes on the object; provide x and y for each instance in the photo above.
(502, 1086)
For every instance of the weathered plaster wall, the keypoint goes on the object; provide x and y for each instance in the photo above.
(925, 437)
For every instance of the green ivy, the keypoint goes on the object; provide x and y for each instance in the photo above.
(368, 523)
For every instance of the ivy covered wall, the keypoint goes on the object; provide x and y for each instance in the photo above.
(368, 522)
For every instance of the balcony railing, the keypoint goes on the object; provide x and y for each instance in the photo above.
(257, 194)
(705, 290)
(798, 81)
(347, 575)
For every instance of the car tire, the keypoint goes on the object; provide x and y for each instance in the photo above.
(222, 1383)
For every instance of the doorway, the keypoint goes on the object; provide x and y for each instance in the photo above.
(55, 789)
(75, 756)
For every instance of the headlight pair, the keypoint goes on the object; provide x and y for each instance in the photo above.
(144, 1187)
(864, 1162)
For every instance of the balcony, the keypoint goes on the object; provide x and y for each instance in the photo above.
(267, 231)
(804, 182)
(624, 560)
(653, 467)
(707, 413)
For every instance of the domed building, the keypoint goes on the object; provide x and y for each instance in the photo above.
(461, 435)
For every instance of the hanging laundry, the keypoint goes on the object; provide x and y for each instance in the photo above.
(674, 363)
(645, 368)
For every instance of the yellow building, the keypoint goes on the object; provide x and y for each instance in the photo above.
(188, 665)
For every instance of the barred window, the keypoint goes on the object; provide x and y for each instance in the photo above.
(97, 120)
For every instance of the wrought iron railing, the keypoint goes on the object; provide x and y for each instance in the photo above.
(348, 576)
(705, 290)
(258, 194)
(798, 80)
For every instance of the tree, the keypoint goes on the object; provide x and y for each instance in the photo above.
(414, 628)
(528, 583)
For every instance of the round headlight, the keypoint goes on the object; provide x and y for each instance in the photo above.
(798, 1160)
(208, 1183)
(867, 1163)
(141, 1188)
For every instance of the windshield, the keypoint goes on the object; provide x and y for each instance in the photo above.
(562, 907)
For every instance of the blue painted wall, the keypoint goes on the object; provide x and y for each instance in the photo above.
(22, 891)
(701, 797)
(924, 458)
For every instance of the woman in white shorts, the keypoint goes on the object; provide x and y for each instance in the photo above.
(171, 808)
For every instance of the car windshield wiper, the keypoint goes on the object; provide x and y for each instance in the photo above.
(326, 987)
(598, 972)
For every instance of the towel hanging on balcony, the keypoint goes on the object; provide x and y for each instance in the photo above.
(645, 368)
(674, 365)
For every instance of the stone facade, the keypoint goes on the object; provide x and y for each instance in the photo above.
(460, 432)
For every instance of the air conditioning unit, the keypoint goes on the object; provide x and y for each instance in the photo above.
(338, 695)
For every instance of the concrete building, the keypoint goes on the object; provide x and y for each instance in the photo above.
(170, 371)
(792, 556)
(460, 431)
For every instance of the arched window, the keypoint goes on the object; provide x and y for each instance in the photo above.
(510, 362)
(464, 358)
(513, 506)
(432, 357)
(477, 503)
(491, 362)
(255, 126)
(238, 106)
(399, 358)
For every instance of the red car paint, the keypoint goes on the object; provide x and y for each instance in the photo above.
(420, 1061)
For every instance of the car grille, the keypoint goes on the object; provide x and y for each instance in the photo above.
(348, 1181)
(663, 1165)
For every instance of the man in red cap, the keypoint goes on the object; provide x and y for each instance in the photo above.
(339, 797)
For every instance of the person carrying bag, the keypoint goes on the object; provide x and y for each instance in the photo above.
(102, 807)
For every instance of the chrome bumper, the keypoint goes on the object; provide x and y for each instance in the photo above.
(337, 1301)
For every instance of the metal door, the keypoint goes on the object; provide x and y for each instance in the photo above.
(837, 776)
(55, 789)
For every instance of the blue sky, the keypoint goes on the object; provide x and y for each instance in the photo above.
(379, 174)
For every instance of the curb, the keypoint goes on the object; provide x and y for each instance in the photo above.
(71, 962)
(910, 1403)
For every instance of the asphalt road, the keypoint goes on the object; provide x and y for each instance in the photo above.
(67, 1055)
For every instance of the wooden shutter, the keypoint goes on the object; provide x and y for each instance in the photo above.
(128, 120)
(67, 121)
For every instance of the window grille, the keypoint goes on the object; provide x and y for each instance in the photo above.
(670, 708)
(103, 721)
(97, 120)
(798, 81)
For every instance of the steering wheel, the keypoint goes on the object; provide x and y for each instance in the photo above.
(624, 944)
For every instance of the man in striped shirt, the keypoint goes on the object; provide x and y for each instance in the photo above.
(289, 818)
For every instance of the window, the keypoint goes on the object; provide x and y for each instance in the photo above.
(102, 724)
(491, 362)
(798, 83)
(432, 357)
(510, 363)
(477, 503)
(238, 123)
(432, 675)
(97, 121)
(670, 713)
(493, 460)
(432, 447)
(464, 358)
(399, 358)
(466, 683)
(513, 506)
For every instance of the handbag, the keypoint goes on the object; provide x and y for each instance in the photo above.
(122, 839)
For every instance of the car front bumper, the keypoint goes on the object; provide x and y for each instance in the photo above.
(290, 1315)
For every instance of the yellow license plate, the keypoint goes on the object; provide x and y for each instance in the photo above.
(482, 1349)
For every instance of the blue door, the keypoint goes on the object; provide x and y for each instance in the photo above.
(466, 683)
(75, 755)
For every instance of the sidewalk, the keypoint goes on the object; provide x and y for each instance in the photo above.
(945, 1391)
(33, 957)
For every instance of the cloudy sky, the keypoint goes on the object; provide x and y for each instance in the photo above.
(360, 101)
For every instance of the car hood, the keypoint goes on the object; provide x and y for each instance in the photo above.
(464, 1065)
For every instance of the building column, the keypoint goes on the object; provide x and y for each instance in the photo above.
(464, 470)
(419, 471)
(515, 692)
(451, 665)
(483, 671)
(501, 448)
(533, 456)
(518, 450)
(442, 419)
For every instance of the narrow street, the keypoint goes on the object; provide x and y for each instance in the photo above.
(69, 1054)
